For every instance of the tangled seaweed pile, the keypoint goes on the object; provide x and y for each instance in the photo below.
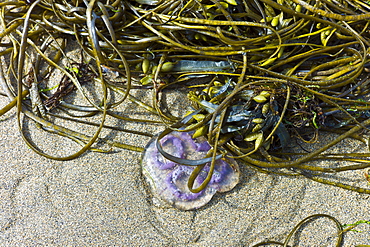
(260, 72)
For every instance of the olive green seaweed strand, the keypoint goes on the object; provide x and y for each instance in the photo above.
(301, 224)
(332, 15)
(296, 163)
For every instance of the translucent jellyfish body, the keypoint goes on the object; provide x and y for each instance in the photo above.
(168, 180)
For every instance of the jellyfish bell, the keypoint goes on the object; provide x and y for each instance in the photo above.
(168, 181)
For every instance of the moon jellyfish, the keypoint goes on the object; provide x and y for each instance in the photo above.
(168, 181)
